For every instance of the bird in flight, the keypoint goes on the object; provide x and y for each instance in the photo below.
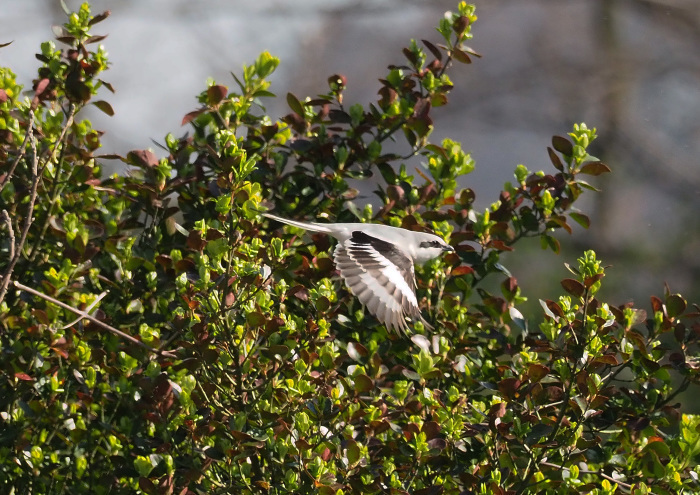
(376, 262)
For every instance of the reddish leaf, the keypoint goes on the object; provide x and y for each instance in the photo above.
(497, 410)
(3, 96)
(433, 49)
(537, 371)
(142, 158)
(192, 115)
(300, 292)
(460, 24)
(421, 109)
(395, 193)
(637, 340)
(656, 304)
(594, 168)
(23, 376)
(510, 284)
(461, 56)
(509, 386)
(41, 86)
(554, 308)
(147, 485)
(560, 221)
(562, 145)
(40, 316)
(573, 287)
(410, 56)
(357, 351)
(471, 51)
(107, 85)
(95, 39)
(195, 242)
(326, 456)
(462, 270)
(499, 245)
(555, 159)
(99, 18)
(679, 331)
(609, 359)
(431, 429)
(216, 93)
(590, 281)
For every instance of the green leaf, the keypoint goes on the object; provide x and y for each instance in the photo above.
(581, 219)
(675, 305)
(547, 241)
(295, 104)
(104, 106)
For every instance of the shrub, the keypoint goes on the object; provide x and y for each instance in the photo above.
(158, 336)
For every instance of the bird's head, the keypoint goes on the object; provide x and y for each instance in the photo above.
(431, 246)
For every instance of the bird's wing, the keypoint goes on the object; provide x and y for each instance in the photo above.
(381, 275)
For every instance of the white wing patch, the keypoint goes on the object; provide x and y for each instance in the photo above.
(381, 276)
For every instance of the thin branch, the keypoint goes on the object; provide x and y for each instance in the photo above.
(73, 109)
(5, 217)
(94, 320)
(54, 193)
(586, 471)
(87, 310)
(27, 136)
(27, 220)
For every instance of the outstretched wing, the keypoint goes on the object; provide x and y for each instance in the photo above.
(381, 276)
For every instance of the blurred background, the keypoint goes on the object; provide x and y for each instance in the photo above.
(630, 68)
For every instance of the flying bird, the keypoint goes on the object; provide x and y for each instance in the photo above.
(376, 262)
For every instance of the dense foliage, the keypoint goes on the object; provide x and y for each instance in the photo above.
(158, 336)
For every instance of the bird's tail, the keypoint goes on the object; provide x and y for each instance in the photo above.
(313, 227)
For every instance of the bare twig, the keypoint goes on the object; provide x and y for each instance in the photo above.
(10, 231)
(94, 320)
(87, 310)
(27, 136)
(69, 122)
(27, 219)
(586, 471)
(31, 255)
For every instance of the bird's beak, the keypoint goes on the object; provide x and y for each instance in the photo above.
(448, 248)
